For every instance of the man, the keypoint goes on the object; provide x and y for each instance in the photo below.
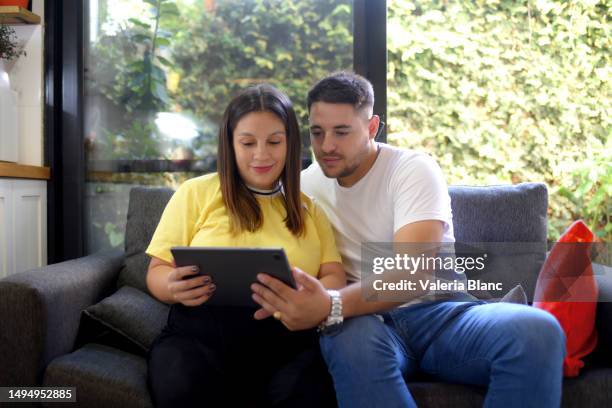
(372, 192)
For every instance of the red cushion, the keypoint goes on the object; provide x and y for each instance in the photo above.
(567, 288)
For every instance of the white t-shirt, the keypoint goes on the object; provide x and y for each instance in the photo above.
(403, 186)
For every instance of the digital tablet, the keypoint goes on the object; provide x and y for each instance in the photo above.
(233, 270)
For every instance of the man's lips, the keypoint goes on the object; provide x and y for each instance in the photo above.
(262, 169)
(331, 159)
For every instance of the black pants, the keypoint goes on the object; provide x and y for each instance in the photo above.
(211, 356)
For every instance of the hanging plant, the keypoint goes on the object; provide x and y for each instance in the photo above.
(9, 46)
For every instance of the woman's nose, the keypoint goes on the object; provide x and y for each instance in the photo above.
(261, 151)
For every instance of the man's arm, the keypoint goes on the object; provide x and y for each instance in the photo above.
(353, 302)
(309, 306)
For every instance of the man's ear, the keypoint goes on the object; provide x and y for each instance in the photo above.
(373, 125)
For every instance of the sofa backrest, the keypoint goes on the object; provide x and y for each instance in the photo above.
(144, 212)
(509, 213)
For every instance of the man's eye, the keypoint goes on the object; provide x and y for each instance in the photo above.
(341, 133)
(315, 134)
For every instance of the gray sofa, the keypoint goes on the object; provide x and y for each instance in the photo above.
(42, 340)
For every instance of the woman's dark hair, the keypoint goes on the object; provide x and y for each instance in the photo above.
(243, 208)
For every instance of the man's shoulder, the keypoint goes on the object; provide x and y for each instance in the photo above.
(402, 161)
(312, 179)
(312, 171)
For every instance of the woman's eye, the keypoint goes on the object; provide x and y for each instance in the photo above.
(315, 134)
(247, 144)
(274, 143)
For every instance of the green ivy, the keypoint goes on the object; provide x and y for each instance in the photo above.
(508, 92)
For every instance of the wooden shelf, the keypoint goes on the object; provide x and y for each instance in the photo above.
(13, 170)
(17, 15)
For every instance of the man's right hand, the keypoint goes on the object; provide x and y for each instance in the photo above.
(189, 288)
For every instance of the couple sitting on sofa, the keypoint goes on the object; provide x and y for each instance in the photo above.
(358, 191)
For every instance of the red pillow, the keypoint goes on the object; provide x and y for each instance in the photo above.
(567, 288)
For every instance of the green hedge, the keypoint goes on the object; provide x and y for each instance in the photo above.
(508, 91)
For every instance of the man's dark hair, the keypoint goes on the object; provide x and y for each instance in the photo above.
(343, 87)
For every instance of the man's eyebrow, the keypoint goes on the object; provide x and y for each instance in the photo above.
(339, 127)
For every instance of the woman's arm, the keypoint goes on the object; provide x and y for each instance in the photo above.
(174, 285)
(332, 276)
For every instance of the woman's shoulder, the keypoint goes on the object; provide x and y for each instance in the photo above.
(204, 189)
(309, 204)
(206, 182)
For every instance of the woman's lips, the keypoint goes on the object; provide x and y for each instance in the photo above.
(262, 169)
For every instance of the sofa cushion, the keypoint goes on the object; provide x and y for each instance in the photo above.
(567, 289)
(145, 209)
(508, 213)
(515, 295)
(130, 313)
(103, 377)
(506, 222)
(590, 389)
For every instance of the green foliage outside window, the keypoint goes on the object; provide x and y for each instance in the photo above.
(289, 43)
(508, 92)
(497, 91)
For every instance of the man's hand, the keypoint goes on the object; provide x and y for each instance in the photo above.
(299, 309)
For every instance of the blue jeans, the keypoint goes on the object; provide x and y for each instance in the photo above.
(515, 350)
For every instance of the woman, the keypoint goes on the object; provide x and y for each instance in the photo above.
(221, 356)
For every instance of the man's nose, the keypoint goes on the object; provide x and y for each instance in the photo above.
(328, 145)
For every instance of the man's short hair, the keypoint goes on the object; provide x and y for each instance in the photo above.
(343, 87)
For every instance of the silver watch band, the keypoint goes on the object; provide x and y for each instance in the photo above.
(335, 317)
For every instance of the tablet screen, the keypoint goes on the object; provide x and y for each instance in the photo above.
(233, 270)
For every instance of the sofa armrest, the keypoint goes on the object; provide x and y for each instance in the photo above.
(40, 311)
(603, 275)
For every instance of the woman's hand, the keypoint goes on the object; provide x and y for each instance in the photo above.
(187, 287)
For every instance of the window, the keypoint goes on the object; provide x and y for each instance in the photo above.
(508, 92)
(158, 74)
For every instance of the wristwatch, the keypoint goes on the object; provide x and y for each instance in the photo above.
(333, 323)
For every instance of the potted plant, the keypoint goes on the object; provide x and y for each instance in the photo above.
(9, 47)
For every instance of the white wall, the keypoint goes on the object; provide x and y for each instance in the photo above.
(26, 76)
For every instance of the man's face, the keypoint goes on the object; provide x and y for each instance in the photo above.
(339, 136)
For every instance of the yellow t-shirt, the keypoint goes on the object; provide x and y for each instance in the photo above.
(196, 216)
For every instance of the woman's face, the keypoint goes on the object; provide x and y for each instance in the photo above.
(260, 143)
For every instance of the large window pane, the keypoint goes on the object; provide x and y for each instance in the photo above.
(508, 92)
(158, 74)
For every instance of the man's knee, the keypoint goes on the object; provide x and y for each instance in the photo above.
(361, 338)
(545, 332)
(534, 333)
